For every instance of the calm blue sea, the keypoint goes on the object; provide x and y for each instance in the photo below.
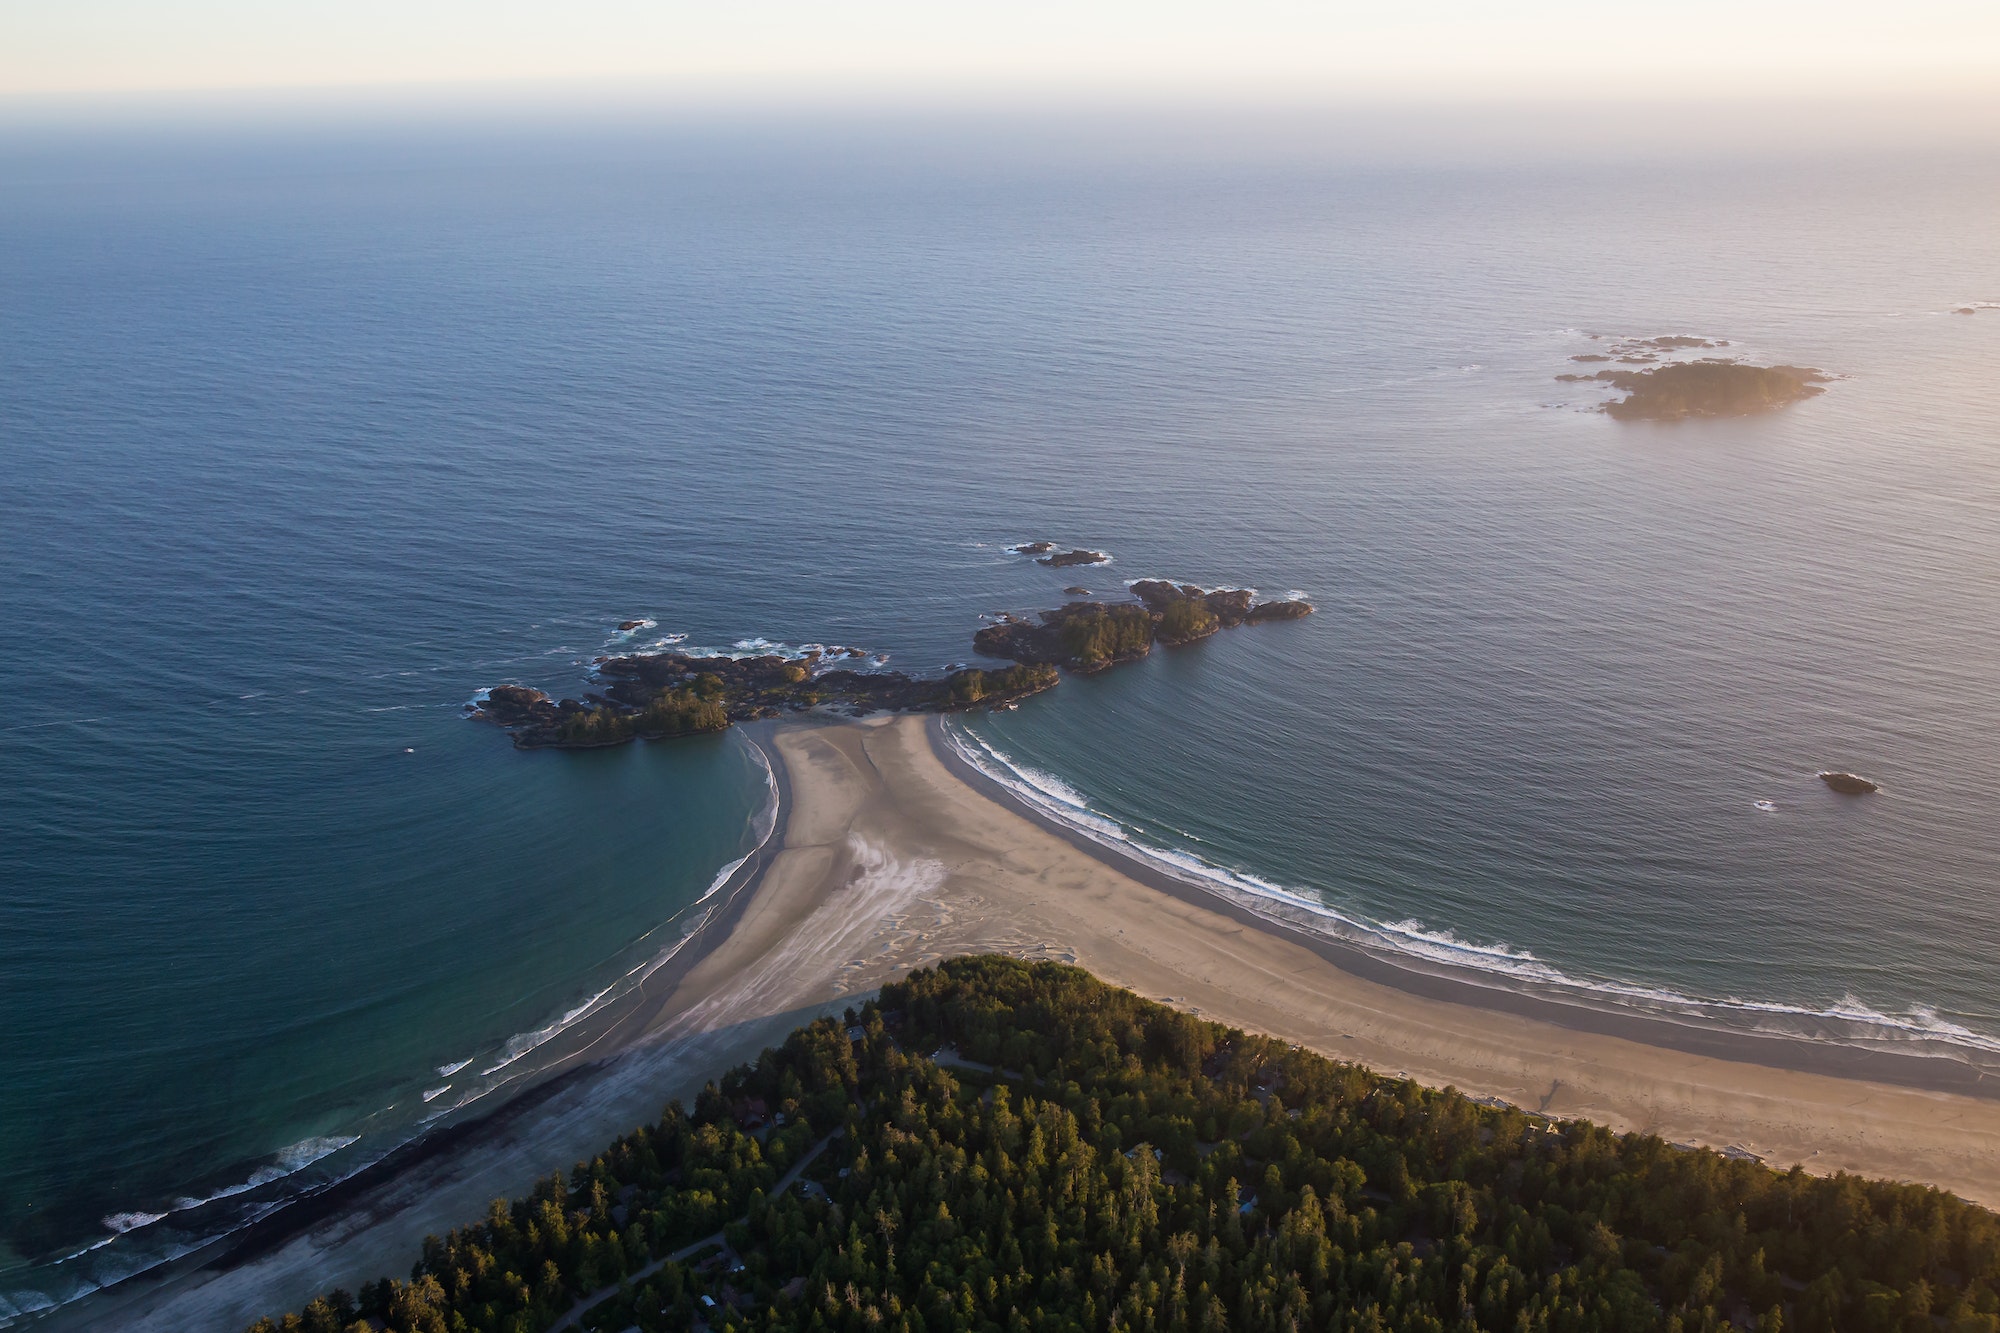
(306, 435)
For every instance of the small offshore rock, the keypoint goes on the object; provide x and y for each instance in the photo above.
(1849, 784)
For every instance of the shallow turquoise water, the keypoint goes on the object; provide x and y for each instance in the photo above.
(306, 439)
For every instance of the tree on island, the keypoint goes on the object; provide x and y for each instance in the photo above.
(672, 713)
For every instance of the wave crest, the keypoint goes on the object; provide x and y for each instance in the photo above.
(1412, 943)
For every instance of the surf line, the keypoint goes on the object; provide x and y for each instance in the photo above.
(1484, 976)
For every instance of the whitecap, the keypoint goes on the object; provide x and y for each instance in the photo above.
(521, 1043)
(124, 1222)
(446, 1071)
(432, 1094)
(1500, 963)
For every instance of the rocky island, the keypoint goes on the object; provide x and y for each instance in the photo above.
(1849, 784)
(654, 696)
(1090, 636)
(657, 695)
(1711, 387)
(1045, 553)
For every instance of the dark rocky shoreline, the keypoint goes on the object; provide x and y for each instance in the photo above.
(653, 696)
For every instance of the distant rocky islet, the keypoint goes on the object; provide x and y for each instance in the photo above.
(1711, 386)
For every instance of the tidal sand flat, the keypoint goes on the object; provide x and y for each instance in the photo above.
(887, 859)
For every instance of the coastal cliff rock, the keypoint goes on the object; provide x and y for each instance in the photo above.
(516, 706)
(1849, 784)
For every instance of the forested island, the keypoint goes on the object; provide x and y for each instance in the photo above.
(1000, 1145)
(655, 696)
(1090, 636)
(1706, 388)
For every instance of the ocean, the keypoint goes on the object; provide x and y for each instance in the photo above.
(309, 433)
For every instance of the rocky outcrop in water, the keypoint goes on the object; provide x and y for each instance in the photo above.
(1849, 784)
(655, 695)
(1070, 559)
(652, 696)
(1091, 636)
(1709, 387)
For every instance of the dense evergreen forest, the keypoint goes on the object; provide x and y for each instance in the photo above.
(1004, 1145)
(671, 713)
(1095, 635)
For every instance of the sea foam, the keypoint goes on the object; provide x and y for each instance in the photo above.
(1920, 1031)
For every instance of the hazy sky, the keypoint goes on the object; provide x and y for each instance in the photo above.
(794, 48)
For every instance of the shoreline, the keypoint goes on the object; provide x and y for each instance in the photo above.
(888, 856)
(1468, 986)
(578, 1061)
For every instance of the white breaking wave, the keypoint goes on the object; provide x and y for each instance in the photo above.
(172, 1244)
(124, 1222)
(287, 1161)
(1414, 941)
(522, 1043)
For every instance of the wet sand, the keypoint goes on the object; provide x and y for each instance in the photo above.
(887, 858)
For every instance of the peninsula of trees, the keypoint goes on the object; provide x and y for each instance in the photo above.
(655, 696)
(998, 1145)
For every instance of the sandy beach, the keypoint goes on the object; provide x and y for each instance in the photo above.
(889, 858)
